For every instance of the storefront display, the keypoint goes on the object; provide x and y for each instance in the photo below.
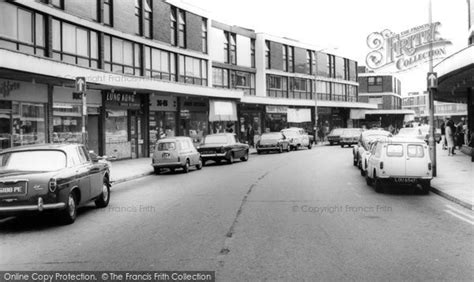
(194, 118)
(223, 116)
(250, 122)
(162, 119)
(276, 118)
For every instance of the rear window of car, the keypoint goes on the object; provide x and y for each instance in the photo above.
(271, 136)
(395, 150)
(166, 146)
(40, 160)
(216, 139)
(337, 131)
(291, 133)
(415, 151)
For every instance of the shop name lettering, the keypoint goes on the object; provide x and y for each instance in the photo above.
(7, 86)
(407, 49)
(120, 97)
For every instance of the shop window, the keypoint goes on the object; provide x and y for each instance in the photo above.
(22, 123)
(117, 141)
(162, 125)
(67, 123)
(75, 45)
(21, 29)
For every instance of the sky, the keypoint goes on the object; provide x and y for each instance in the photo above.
(342, 26)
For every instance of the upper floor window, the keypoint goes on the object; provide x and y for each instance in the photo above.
(267, 54)
(138, 17)
(284, 51)
(181, 29)
(108, 12)
(230, 48)
(121, 56)
(374, 84)
(252, 53)
(331, 63)
(174, 26)
(339, 68)
(291, 59)
(220, 77)
(21, 29)
(57, 3)
(308, 62)
(346, 69)
(244, 81)
(147, 18)
(160, 64)
(75, 45)
(204, 35)
(192, 70)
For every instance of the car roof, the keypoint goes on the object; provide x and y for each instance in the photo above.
(172, 139)
(292, 128)
(401, 140)
(220, 134)
(268, 133)
(60, 146)
(374, 132)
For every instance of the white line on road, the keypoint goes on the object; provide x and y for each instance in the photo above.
(460, 217)
(460, 212)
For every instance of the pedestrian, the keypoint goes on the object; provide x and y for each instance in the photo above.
(250, 135)
(450, 137)
(443, 134)
(459, 135)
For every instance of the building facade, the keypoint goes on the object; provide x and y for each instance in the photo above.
(156, 68)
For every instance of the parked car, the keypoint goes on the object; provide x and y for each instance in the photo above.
(175, 152)
(223, 146)
(298, 137)
(403, 161)
(421, 132)
(350, 137)
(52, 177)
(335, 135)
(364, 162)
(273, 141)
(362, 146)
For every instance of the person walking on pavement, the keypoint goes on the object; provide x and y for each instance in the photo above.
(250, 135)
(443, 134)
(450, 137)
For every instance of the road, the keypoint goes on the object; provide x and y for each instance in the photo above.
(305, 215)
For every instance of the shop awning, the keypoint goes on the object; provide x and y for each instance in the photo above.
(299, 115)
(222, 110)
(357, 114)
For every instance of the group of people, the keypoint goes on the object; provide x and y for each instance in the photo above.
(453, 135)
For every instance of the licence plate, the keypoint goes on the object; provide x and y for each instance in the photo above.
(12, 188)
(405, 180)
(166, 156)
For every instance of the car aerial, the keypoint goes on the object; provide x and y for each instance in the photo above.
(350, 137)
(223, 146)
(404, 161)
(273, 141)
(362, 146)
(175, 152)
(335, 135)
(52, 177)
(297, 137)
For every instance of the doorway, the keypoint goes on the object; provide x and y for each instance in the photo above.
(93, 133)
(137, 123)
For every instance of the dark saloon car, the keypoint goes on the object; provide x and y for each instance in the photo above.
(350, 137)
(223, 146)
(273, 141)
(57, 178)
(334, 136)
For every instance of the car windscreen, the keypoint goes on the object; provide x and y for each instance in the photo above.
(338, 131)
(395, 150)
(166, 146)
(39, 160)
(215, 139)
(408, 131)
(270, 136)
(351, 132)
(290, 133)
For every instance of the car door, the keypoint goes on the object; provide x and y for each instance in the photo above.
(374, 159)
(94, 172)
(239, 148)
(395, 164)
(81, 170)
(416, 160)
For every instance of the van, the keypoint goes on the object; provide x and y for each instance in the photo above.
(402, 161)
(175, 152)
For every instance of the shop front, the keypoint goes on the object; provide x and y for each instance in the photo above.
(194, 118)
(125, 125)
(302, 118)
(222, 116)
(276, 118)
(333, 117)
(67, 117)
(250, 122)
(162, 118)
(23, 113)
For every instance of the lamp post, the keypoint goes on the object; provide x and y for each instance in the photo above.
(432, 91)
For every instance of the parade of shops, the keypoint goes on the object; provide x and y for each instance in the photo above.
(155, 69)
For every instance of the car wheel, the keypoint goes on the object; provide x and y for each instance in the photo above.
(280, 149)
(362, 172)
(186, 167)
(378, 184)
(259, 152)
(230, 160)
(69, 214)
(310, 146)
(200, 164)
(297, 147)
(331, 143)
(203, 162)
(368, 180)
(342, 145)
(354, 162)
(157, 170)
(104, 198)
(425, 187)
(172, 170)
(245, 157)
(288, 148)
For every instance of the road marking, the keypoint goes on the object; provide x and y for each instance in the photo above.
(460, 217)
(469, 216)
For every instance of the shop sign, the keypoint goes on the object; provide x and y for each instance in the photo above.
(7, 86)
(122, 99)
(163, 103)
(277, 109)
(407, 49)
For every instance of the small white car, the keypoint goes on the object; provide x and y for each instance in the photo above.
(176, 152)
(404, 161)
(298, 137)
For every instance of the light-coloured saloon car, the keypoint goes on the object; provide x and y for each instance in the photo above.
(404, 161)
(298, 137)
(175, 152)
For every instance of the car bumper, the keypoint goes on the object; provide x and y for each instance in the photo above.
(167, 165)
(40, 206)
(271, 148)
(404, 179)
(214, 156)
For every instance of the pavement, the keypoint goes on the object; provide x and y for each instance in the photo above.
(454, 180)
